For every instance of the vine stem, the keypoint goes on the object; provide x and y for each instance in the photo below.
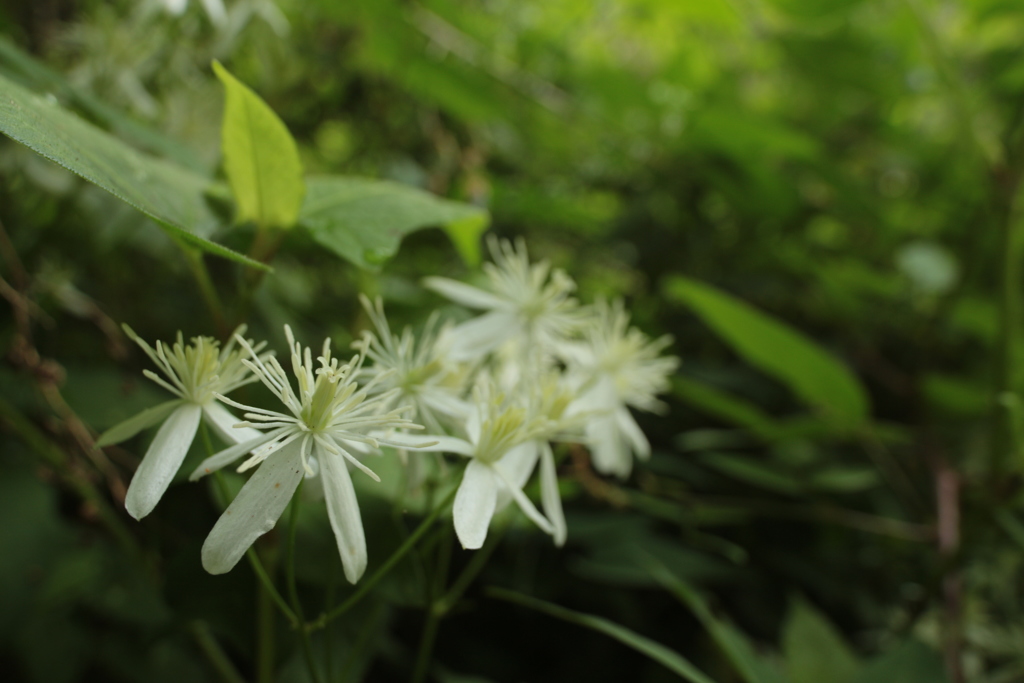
(206, 288)
(441, 605)
(264, 636)
(293, 591)
(471, 571)
(220, 662)
(434, 615)
(388, 565)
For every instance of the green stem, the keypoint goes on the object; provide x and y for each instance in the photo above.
(293, 591)
(206, 288)
(368, 630)
(200, 631)
(426, 645)
(264, 634)
(434, 612)
(328, 637)
(470, 572)
(1009, 320)
(263, 248)
(388, 565)
(441, 606)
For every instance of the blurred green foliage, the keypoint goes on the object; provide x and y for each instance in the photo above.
(836, 485)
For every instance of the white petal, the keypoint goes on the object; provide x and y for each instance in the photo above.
(474, 504)
(133, 425)
(479, 336)
(609, 453)
(343, 510)
(450, 444)
(216, 12)
(162, 460)
(175, 7)
(517, 465)
(443, 401)
(549, 496)
(229, 455)
(464, 294)
(631, 431)
(222, 421)
(526, 505)
(472, 425)
(254, 511)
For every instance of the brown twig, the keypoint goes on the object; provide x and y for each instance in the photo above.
(947, 497)
(597, 487)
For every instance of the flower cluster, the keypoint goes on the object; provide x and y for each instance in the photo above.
(536, 367)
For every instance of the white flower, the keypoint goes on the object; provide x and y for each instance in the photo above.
(528, 304)
(556, 415)
(503, 452)
(327, 418)
(196, 374)
(419, 373)
(618, 366)
(214, 8)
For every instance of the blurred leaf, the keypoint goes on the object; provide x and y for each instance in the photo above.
(31, 545)
(956, 395)
(656, 651)
(733, 643)
(813, 648)
(465, 235)
(363, 221)
(844, 479)
(171, 195)
(21, 67)
(45, 633)
(909, 662)
(103, 396)
(814, 9)
(777, 349)
(1011, 525)
(723, 405)
(616, 547)
(260, 158)
(762, 475)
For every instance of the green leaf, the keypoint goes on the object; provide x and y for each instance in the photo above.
(260, 158)
(758, 474)
(133, 425)
(840, 479)
(172, 196)
(778, 350)
(910, 662)
(22, 68)
(725, 406)
(813, 648)
(363, 220)
(956, 395)
(668, 658)
(465, 235)
(733, 643)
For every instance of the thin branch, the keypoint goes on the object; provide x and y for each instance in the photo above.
(220, 662)
(388, 565)
(56, 458)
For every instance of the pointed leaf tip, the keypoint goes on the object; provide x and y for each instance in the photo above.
(261, 159)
